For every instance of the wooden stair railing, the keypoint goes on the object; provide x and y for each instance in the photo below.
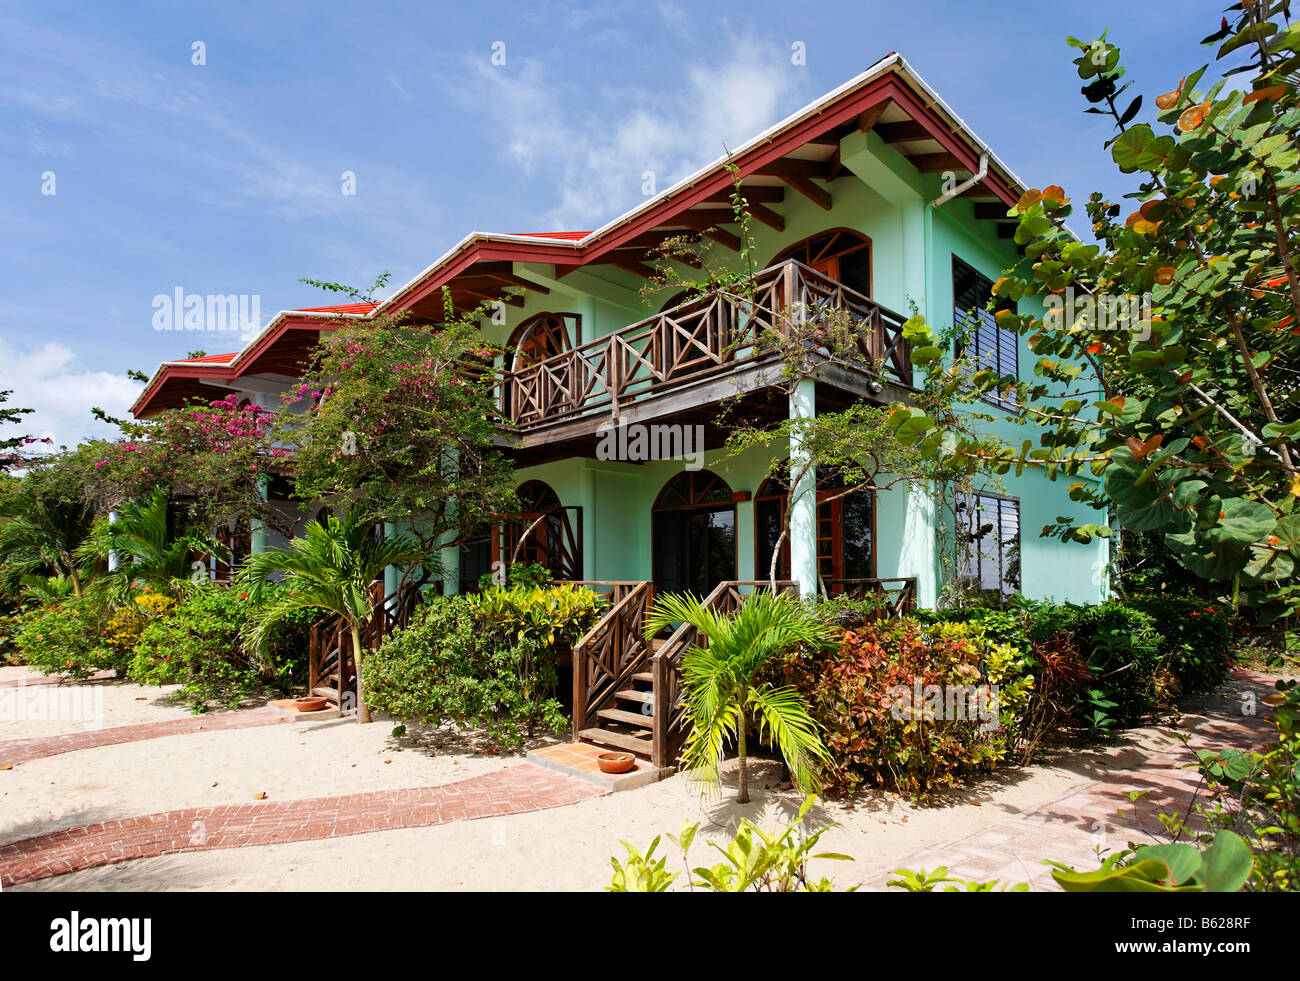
(608, 669)
(331, 666)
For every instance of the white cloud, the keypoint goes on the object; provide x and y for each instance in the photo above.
(597, 161)
(49, 380)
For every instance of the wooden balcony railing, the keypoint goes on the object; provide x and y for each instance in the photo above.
(708, 335)
(897, 596)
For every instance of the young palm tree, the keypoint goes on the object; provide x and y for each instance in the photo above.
(723, 695)
(153, 550)
(45, 536)
(330, 568)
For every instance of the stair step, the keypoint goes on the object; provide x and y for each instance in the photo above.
(644, 676)
(636, 695)
(632, 744)
(332, 694)
(631, 718)
(657, 642)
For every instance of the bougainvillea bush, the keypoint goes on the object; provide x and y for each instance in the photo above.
(211, 457)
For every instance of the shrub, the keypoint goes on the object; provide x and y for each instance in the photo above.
(128, 621)
(865, 696)
(202, 646)
(1133, 674)
(850, 613)
(487, 660)
(1197, 639)
(69, 638)
(1122, 646)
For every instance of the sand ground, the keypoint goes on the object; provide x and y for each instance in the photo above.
(568, 848)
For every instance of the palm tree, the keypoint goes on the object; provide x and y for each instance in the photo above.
(45, 536)
(46, 590)
(152, 547)
(329, 568)
(722, 691)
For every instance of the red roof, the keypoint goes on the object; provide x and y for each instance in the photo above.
(208, 359)
(364, 307)
(570, 236)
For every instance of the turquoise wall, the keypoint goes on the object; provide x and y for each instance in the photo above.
(912, 250)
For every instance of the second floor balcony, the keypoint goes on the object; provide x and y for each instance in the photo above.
(703, 350)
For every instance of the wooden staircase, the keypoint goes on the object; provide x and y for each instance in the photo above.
(628, 723)
(627, 691)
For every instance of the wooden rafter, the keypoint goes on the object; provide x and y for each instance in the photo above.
(799, 174)
(901, 132)
(933, 163)
(868, 118)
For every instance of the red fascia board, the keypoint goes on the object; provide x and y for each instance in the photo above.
(487, 251)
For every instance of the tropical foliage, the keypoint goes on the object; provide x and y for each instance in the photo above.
(488, 661)
(1192, 430)
(753, 861)
(724, 691)
(152, 546)
(329, 569)
(401, 420)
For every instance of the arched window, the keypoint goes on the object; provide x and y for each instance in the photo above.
(846, 530)
(544, 532)
(694, 533)
(841, 253)
(542, 336)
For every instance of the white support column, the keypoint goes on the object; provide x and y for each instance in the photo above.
(450, 557)
(112, 556)
(803, 496)
(256, 526)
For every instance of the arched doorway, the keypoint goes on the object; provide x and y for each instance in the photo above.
(846, 530)
(545, 532)
(841, 253)
(694, 533)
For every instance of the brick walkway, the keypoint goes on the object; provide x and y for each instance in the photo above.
(46, 679)
(515, 790)
(15, 751)
(1069, 828)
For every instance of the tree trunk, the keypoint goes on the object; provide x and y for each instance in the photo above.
(76, 581)
(743, 796)
(363, 712)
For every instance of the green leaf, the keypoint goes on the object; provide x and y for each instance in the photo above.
(1227, 862)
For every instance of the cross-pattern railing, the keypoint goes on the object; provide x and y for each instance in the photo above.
(610, 652)
(704, 336)
(897, 595)
(331, 664)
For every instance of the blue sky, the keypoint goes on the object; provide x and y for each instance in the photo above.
(226, 177)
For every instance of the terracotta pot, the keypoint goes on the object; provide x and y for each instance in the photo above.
(311, 703)
(615, 762)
